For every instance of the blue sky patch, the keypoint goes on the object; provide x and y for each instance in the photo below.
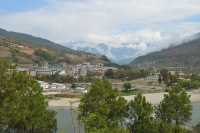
(194, 18)
(20, 5)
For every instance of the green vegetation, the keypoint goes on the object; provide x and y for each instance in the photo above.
(127, 86)
(190, 82)
(73, 86)
(44, 55)
(127, 90)
(167, 78)
(176, 107)
(56, 78)
(140, 115)
(128, 93)
(65, 78)
(102, 110)
(193, 83)
(125, 74)
(23, 108)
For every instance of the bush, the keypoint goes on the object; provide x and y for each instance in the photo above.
(44, 55)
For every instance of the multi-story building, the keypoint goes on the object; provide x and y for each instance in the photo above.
(153, 77)
(41, 70)
(82, 69)
(65, 69)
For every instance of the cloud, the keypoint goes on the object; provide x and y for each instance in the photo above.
(137, 22)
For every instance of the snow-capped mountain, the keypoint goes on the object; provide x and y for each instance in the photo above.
(122, 54)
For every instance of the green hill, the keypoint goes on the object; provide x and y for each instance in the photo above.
(24, 49)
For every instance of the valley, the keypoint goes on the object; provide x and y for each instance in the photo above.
(67, 75)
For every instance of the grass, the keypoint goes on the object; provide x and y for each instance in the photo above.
(128, 93)
(64, 95)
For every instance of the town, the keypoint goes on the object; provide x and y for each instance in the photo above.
(123, 82)
(63, 69)
(146, 83)
(100, 66)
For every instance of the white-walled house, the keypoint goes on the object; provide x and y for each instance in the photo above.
(153, 77)
(62, 73)
(44, 85)
(52, 86)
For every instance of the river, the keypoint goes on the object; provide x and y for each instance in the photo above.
(67, 123)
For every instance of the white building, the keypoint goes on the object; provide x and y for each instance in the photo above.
(57, 87)
(153, 77)
(62, 73)
(81, 89)
(53, 86)
(41, 70)
(44, 85)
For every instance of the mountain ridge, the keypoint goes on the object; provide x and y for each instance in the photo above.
(25, 48)
(120, 55)
(29, 39)
(185, 54)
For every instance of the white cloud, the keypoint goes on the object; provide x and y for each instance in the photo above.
(109, 21)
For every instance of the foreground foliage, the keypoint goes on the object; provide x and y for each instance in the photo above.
(140, 115)
(22, 106)
(176, 107)
(102, 110)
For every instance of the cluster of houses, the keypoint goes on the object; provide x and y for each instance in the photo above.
(180, 70)
(173, 70)
(75, 71)
(83, 69)
(53, 86)
(58, 87)
(45, 69)
(152, 77)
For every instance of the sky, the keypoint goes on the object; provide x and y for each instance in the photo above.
(115, 22)
(21, 5)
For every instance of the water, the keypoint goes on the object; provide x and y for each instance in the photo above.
(67, 119)
(195, 114)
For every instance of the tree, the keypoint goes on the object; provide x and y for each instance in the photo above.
(23, 108)
(165, 76)
(56, 78)
(159, 79)
(109, 73)
(44, 55)
(127, 86)
(185, 84)
(195, 77)
(73, 86)
(173, 78)
(102, 108)
(140, 115)
(164, 127)
(175, 107)
(112, 130)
